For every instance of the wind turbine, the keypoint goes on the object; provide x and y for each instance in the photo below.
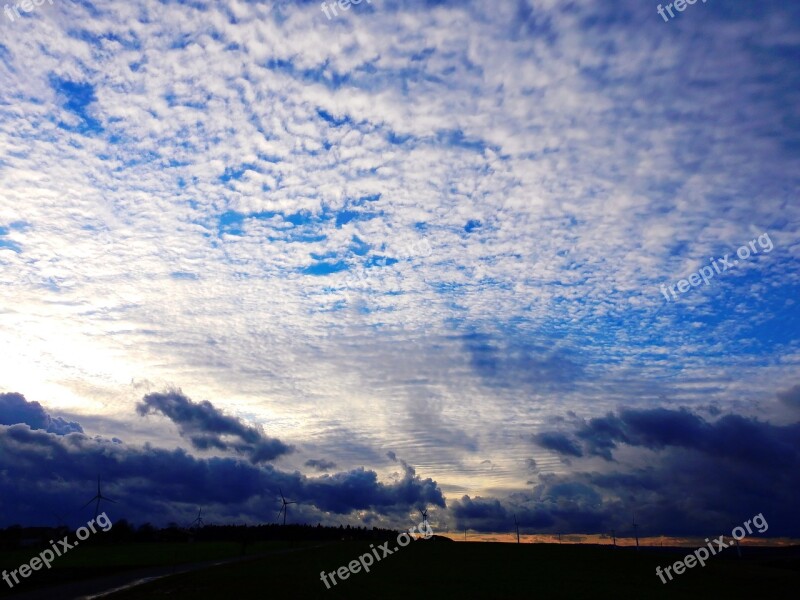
(283, 509)
(516, 525)
(424, 514)
(614, 537)
(98, 497)
(636, 531)
(199, 519)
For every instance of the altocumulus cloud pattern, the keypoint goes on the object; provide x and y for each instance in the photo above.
(406, 255)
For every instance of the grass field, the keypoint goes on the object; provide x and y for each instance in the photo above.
(482, 570)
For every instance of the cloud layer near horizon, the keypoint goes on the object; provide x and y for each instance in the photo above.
(736, 467)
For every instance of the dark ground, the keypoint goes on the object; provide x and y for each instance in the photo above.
(427, 569)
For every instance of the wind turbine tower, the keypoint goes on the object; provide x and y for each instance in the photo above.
(284, 508)
(424, 513)
(516, 525)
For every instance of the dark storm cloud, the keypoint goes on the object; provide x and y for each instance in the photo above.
(661, 428)
(208, 428)
(790, 397)
(14, 408)
(42, 473)
(360, 489)
(480, 510)
(415, 490)
(492, 514)
(320, 464)
(558, 442)
(701, 477)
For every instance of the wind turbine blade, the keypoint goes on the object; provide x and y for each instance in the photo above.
(89, 502)
(281, 492)
(108, 499)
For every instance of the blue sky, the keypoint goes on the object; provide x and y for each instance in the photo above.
(411, 254)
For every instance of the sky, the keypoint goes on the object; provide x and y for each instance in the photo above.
(526, 258)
